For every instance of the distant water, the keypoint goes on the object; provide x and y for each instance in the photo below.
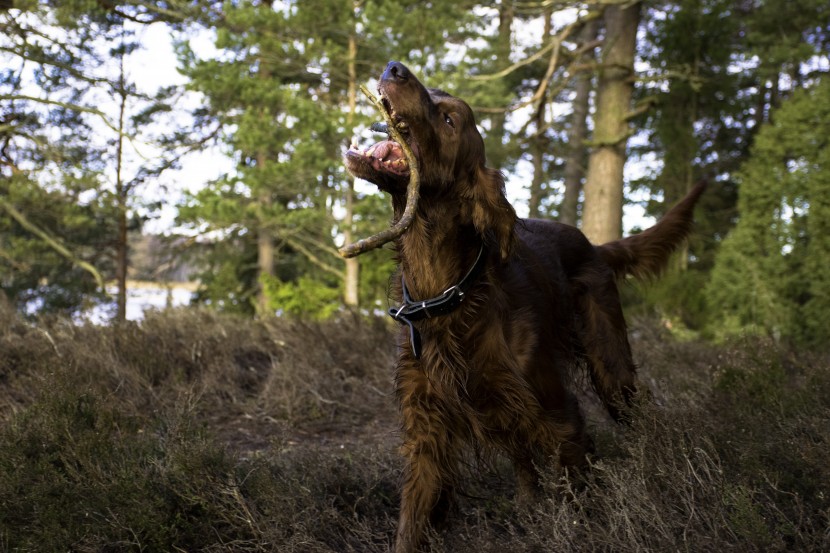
(139, 299)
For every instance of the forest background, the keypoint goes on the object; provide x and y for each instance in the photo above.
(261, 418)
(566, 94)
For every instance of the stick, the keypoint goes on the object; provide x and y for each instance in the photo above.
(412, 192)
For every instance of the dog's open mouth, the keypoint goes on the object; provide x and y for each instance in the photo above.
(385, 157)
(392, 164)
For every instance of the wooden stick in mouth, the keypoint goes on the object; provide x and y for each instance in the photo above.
(412, 191)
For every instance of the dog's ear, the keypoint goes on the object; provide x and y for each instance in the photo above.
(491, 213)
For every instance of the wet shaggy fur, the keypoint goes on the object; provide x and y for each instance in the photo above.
(495, 372)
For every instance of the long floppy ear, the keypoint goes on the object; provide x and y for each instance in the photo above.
(491, 213)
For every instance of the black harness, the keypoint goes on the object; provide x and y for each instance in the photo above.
(411, 311)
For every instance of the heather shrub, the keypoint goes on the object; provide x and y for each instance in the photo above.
(200, 432)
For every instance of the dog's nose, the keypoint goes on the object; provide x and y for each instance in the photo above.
(395, 71)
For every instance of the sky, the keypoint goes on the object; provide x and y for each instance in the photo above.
(152, 67)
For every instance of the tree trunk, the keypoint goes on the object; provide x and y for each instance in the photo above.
(602, 212)
(538, 145)
(675, 129)
(265, 247)
(496, 153)
(578, 132)
(537, 150)
(265, 236)
(351, 284)
(121, 191)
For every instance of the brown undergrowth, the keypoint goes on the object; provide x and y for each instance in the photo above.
(193, 431)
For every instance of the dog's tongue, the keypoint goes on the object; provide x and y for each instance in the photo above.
(380, 150)
(387, 150)
(386, 155)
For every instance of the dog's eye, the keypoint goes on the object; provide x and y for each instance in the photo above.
(448, 120)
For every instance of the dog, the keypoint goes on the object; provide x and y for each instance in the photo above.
(495, 311)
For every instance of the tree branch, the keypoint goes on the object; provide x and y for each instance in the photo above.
(555, 46)
(316, 243)
(642, 107)
(611, 142)
(51, 242)
(313, 258)
(75, 107)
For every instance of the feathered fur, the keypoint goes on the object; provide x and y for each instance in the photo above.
(495, 372)
(645, 255)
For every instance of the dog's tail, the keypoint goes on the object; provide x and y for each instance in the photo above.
(646, 254)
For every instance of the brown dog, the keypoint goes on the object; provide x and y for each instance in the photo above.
(496, 310)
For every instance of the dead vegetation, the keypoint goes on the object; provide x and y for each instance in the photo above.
(198, 432)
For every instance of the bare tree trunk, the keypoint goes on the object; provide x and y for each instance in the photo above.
(534, 202)
(265, 235)
(265, 249)
(351, 284)
(578, 132)
(496, 155)
(121, 192)
(538, 145)
(602, 212)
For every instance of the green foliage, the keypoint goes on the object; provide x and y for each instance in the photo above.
(723, 69)
(770, 275)
(260, 91)
(47, 162)
(228, 275)
(372, 213)
(33, 275)
(677, 297)
(692, 43)
(71, 123)
(276, 95)
(784, 33)
(278, 87)
(304, 297)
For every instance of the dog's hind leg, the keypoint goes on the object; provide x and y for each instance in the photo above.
(537, 430)
(553, 438)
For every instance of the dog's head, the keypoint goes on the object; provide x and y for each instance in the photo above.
(441, 131)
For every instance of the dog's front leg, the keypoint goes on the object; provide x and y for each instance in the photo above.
(430, 454)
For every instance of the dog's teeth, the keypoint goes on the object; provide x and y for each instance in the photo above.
(370, 151)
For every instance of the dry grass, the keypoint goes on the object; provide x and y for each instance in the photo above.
(197, 432)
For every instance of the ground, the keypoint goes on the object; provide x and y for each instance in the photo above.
(199, 432)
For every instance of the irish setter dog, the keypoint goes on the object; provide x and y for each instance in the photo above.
(497, 310)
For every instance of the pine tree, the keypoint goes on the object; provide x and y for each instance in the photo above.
(65, 139)
(54, 245)
(771, 274)
(706, 59)
(282, 89)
